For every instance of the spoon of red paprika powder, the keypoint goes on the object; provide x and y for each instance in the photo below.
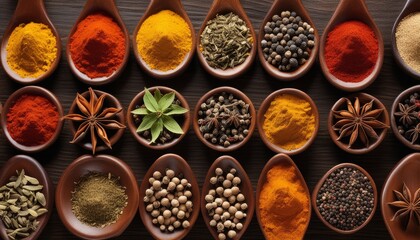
(351, 50)
(278, 7)
(29, 11)
(98, 47)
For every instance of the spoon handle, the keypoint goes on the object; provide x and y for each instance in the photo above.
(220, 5)
(94, 3)
(29, 9)
(165, 4)
(412, 5)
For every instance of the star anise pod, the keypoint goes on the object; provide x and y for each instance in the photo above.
(409, 205)
(406, 114)
(413, 133)
(233, 118)
(94, 119)
(358, 122)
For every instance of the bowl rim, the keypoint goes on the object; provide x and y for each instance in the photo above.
(31, 90)
(266, 104)
(321, 182)
(133, 128)
(239, 95)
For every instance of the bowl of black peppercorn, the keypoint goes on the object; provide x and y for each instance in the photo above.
(224, 119)
(405, 119)
(345, 199)
(287, 41)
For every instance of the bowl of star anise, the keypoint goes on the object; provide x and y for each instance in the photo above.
(96, 120)
(358, 124)
(158, 117)
(405, 118)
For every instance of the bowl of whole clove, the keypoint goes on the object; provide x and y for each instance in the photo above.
(224, 119)
(405, 119)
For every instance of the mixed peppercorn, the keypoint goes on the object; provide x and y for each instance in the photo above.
(407, 118)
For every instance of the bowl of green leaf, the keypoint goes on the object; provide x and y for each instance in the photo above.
(158, 117)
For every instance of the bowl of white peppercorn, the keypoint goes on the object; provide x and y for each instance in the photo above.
(227, 199)
(169, 198)
(224, 119)
(287, 41)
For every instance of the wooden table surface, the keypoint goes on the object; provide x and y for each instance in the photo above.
(256, 83)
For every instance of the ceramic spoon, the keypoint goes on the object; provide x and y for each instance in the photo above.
(34, 169)
(411, 6)
(107, 7)
(278, 7)
(348, 10)
(226, 163)
(154, 7)
(29, 11)
(223, 7)
(280, 159)
(179, 165)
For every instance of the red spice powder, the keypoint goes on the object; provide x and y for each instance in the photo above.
(97, 47)
(351, 51)
(32, 120)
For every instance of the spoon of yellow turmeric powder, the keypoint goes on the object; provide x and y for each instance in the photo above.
(31, 46)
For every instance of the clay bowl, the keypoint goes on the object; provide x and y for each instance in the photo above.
(226, 163)
(34, 169)
(341, 104)
(411, 6)
(263, 109)
(400, 98)
(276, 160)
(132, 126)
(108, 8)
(179, 165)
(110, 101)
(277, 7)
(154, 7)
(406, 171)
(29, 11)
(319, 185)
(103, 164)
(223, 7)
(351, 10)
(33, 90)
(239, 95)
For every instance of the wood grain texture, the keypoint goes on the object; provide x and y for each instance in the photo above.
(257, 84)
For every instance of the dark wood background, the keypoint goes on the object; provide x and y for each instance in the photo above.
(256, 83)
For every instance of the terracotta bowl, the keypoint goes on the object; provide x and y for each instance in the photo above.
(132, 126)
(405, 171)
(103, 164)
(108, 8)
(26, 12)
(411, 6)
(342, 104)
(110, 101)
(35, 90)
(277, 7)
(154, 7)
(34, 169)
(351, 10)
(319, 185)
(400, 98)
(223, 7)
(279, 159)
(179, 165)
(240, 96)
(226, 163)
(263, 109)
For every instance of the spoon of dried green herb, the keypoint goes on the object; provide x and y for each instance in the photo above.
(21, 203)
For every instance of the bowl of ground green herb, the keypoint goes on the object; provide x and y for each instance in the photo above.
(226, 43)
(358, 123)
(405, 119)
(23, 183)
(158, 117)
(97, 197)
(224, 119)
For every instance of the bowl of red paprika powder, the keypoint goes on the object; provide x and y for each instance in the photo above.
(31, 119)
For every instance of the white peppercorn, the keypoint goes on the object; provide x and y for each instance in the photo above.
(157, 175)
(221, 236)
(185, 224)
(149, 207)
(239, 215)
(231, 234)
(213, 223)
(236, 181)
(209, 198)
(161, 219)
(170, 173)
(240, 197)
(218, 171)
(239, 226)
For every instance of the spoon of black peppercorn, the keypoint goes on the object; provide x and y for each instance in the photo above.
(276, 9)
(222, 7)
(411, 6)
